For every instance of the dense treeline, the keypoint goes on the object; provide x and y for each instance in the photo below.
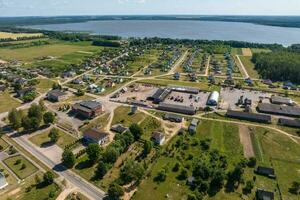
(278, 66)
(21, 38)
(283, 21)
(24, 44)
(235, 44)
(106, 43)
(78, 36)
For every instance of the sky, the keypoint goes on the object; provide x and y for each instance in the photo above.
(148, 7)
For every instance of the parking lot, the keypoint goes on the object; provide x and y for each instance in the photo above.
(230, 97)
(185, 99)
(137, 92)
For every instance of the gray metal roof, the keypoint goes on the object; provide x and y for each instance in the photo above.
(279, 109)
(90, 104)
(249, 116)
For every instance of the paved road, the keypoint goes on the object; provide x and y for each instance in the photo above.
(88, 189)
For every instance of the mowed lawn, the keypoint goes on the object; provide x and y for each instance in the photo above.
(7, 35)
(249, 65)
(144, 60)
(23, 168)
(55, 49)
(43, 139)
(7, 102)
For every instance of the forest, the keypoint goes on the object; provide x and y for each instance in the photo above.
(278, 65)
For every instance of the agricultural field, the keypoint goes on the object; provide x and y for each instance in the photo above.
(43, 139)
(14, 36)
(61, 51)
(20, 166)
(8, 102)
(270, 149)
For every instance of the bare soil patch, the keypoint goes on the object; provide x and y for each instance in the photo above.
(245, 139)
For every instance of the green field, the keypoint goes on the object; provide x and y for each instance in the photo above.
(271, 149)
(7, 102)
(44, 85)
(249, 65)
(63, 51)
(122, 116)
(21, 171)
(43, 139)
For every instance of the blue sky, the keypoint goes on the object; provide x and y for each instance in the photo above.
(144, 7)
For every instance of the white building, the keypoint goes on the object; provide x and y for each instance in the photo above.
(213, 99)
(3, 182)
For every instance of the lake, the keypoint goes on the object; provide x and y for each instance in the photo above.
(184, 29)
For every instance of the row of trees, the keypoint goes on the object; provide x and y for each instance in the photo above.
(32, 120)
(235, 44)
(278, 66)
(106, 43)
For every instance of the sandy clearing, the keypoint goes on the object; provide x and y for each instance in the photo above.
(246, 52)
(246, 141)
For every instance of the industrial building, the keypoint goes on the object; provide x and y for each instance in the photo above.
(188, 110)
(281, 100)
(295, 123)
(159, 95)
(254, 117)
(275, 109)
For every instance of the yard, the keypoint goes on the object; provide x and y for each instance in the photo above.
(20, 166)
(123, 116)
(43, 139)
(7, 102)
(3, 145)
(30, 190)
(44, 85)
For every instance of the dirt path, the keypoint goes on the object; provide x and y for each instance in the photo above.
(178, 63)
(207, 66)
(171, 129)
(242, 67)
(246, 141)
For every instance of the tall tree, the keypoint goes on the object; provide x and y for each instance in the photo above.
(93, 152)
(68, 159)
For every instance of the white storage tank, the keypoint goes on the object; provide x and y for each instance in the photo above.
(213, 99)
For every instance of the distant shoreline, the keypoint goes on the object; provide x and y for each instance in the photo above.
(279, 21)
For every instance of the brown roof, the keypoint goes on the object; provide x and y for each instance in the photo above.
(95, 134)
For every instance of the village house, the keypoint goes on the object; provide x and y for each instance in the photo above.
(119, 128)
(88, 109)
(193, 126)
(56, 95)
(158, 137)
(264, 195)
(94, 135)
(265, 171)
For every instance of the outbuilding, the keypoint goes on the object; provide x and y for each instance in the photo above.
(213, 99)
